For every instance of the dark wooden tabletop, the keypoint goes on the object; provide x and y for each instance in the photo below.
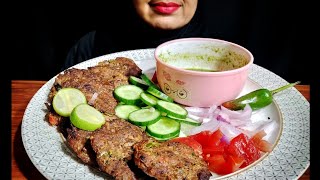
(22, 92)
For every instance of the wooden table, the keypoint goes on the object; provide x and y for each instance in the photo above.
(22, 92)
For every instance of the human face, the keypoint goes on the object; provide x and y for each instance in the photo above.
(166, 14)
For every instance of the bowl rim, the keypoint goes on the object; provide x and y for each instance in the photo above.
(202, 73)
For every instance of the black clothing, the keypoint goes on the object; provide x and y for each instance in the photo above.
(265, 30)
(133, 34)
(271, 30)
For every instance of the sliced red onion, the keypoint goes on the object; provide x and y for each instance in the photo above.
(93, 98)
(197, 111)
(213, 112)
(252, 128)
(212, 109)
(196, 118)
(212, 125)
(225, 139)
(270, 129)
(229, 131)
(222, 119)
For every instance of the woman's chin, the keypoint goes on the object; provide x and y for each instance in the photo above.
(168, 23)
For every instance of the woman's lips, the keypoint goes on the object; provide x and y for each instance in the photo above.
(165, 8)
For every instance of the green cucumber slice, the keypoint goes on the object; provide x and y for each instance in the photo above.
(129, 94)
(138, 82)
(148, 99)
(185, 128)
(186, 120)
(123, 110)
(146, 79)
(172, 109)
(164, 128)
(164, 139)
(159, 94)
(144, 117)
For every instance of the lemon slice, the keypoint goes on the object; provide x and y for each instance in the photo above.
(86, 117)
(66, 99)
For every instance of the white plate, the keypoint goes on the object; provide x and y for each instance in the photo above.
(288, 160)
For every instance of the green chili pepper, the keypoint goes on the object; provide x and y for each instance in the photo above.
(256, 99)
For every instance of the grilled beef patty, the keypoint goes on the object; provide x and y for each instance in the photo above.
(100, 80)
(113, 146)
(169, 160)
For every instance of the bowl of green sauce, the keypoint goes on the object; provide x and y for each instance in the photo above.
(202, 71)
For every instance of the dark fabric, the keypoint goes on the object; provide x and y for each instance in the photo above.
(133, 34)
(274, 31)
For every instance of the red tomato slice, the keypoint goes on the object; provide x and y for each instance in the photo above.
(235, 162)
(202, 137)
(190, 142)
(224, 164)
(216, 163)
(215, 138)
(213, 150)
(241, 147)
(261, 144)
(208, 138)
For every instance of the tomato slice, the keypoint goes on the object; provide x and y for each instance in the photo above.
(241, 147)
(235, 162)
(224, 164)
(261, 144)
(208, 138)
(217, 164)
(190, 142)
(214, 139)
(202, 137)
(213, 150)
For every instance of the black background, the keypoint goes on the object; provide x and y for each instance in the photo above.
(271, 30)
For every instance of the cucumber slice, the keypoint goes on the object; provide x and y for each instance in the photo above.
(123, 111)
(138, 82)
(172, 109)
(66, 99)
(148, 99)
(129, 94)
(159, 94)
(164, 128)
(144, 117)
(86, 117)
(164, 139)
(146, 79)
(186, 120)
(185, 129)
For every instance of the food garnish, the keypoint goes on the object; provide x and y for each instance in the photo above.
(256, 99)
(86, 117)
(66, 99)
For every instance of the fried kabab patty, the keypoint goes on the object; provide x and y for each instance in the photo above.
(169, 160)
(97, 83)
(79, 141)
(113, 144)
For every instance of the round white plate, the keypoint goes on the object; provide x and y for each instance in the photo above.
(288, 160)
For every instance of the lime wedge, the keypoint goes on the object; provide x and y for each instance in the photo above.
(86, 117)
(66, 99)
